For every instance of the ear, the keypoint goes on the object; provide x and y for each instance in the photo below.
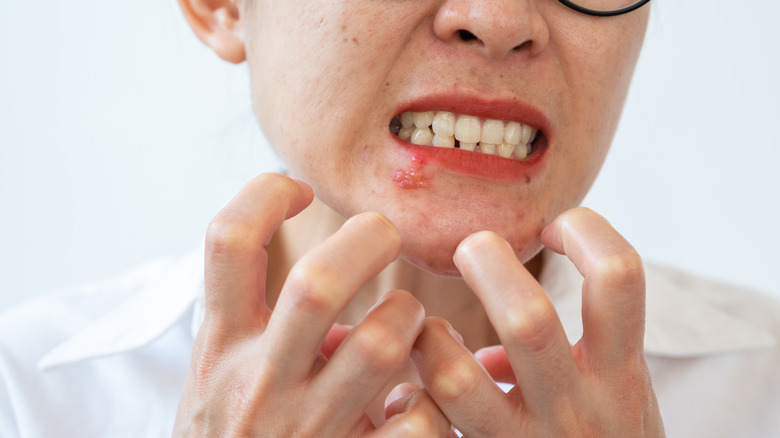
(217, 23)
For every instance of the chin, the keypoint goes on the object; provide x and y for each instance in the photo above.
(434, 253)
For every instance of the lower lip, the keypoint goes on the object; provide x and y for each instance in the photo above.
(476, 164)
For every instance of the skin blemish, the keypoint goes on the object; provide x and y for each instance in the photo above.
(412, 178)
(355, 40)
(527, 179)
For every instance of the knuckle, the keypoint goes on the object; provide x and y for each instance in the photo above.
(229, 235)
(623, 268)
(419, 423)
(533, 325)
(379, 349)
(311, 285)
(455, 380)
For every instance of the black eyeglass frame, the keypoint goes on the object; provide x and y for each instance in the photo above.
(587, 11)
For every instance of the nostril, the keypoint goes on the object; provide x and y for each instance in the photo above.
(466, 35)
(521, 46)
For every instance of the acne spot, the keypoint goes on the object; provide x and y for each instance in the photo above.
(355, 40)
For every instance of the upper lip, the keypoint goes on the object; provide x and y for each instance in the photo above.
(513, 109)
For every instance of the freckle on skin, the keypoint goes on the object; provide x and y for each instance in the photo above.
(355, 40)
(527, 179)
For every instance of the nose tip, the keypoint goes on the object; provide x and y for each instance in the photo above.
(497, 28)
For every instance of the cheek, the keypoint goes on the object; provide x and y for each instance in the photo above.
(597, 61)
(324, 92)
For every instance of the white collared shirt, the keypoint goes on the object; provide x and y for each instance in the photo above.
(109, 359)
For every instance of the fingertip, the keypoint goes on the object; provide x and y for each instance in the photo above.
(304, 187)
(378, 226)
(555, 234)
(476, 245)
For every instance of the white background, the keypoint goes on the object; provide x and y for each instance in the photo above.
(121, 136)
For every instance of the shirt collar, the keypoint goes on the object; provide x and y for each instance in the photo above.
(138, 320)
(679, 323)
(680, 320)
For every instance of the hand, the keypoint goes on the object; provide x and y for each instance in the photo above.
(599, 387)
(260, 372)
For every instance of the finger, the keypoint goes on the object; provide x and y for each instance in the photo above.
(371, 355)
(415, 415)
(462, 389)
(397, 400)
(613, 307)
(321, 284)
(523, 316)
(496, 363)
(236, 260)
(334, 338)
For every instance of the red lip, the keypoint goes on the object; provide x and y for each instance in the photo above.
(474, 163)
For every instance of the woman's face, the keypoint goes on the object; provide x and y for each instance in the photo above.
(329, 78)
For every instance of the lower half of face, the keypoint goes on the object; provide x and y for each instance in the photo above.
(352, 116)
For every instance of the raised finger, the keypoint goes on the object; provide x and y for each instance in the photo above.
(321, 284)
(236, 259)
(524, 318)
(371, 355)
(457, 382)
(613, 307)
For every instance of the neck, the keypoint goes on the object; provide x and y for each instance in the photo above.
(449, 298)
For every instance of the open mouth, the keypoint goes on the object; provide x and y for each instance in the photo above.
(444, 129)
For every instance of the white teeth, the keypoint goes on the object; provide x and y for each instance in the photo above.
(442, 129)
(528, 134)
(422, 136)
(444, 141)
(444, 124)
(505, 149)
(423, 120)
(468, 146)
(406, 119)
(521, 151)
(492, 132)
(406, 133)
(512, 132)
(487, 148)
(468, 129)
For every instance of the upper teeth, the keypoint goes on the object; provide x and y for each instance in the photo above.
(442, 128)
